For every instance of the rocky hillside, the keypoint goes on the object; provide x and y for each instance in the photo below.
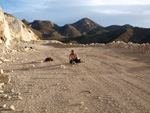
(70, 31)
(12, 28)
(44, 29)
(125, 33)
(86, 31)
(49, 30)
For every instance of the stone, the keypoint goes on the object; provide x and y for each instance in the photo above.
(33, 65)
(6, 60)
(1, 71)
(12, 108)
(99, 97)
(4, 96)
(9, 97)
(20, 98)
(4, 106)
(12, 90)
(81, 103)
(86, 108)
(5, 78)
(62, 66)
(89, 91)
(1, 85)
(1, 91)
(58, 83)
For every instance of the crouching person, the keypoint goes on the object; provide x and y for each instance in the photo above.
(73, 57)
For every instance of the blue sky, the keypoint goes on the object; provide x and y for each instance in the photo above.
(104, 12)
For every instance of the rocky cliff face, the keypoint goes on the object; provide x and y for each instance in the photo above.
(12, 28)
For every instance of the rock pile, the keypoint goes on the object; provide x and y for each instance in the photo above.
(7, 95)
(119, 44)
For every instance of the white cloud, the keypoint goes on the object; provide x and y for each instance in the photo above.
(146, 13)
(117, 2)
(147, 21)
(48, 3)
(128, 11)
(25, 5)
(113, 12)
(42, 4)
(123, 10)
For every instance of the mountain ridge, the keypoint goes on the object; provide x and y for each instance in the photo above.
(88, 31)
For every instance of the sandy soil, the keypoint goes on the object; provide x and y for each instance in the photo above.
(110, 81)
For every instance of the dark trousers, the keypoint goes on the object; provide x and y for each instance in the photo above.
(75, 60)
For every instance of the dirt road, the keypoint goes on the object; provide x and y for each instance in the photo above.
(110, 81)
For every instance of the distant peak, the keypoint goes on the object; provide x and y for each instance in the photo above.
(24, 20)
(84, 20)
(43, 21)
(127, 25)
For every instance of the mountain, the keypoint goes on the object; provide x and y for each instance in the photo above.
(49, 30)
(25, 22)
(87, 31)
(12, 29)
(70, 31)
(140, 35)
(85, 25)
(117, 27)
(46, 29)
(43, 26)
(133, 34)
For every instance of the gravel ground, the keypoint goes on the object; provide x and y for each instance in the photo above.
(109, 81)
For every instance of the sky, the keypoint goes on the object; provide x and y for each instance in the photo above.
(61, 12)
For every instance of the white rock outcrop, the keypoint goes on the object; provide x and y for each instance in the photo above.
(1, 85)
(12, 28)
